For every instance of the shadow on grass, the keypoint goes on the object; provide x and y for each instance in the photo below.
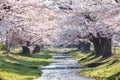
(71, 51)
(23, 66)
(17, 69)
(29, 64)
(94, 57)
(92, 61)
(95, 64)
(114, 61)
(20, 53)
(39, 60)
(114, 77)
(44, 54)
(48, 51)
(89, 57)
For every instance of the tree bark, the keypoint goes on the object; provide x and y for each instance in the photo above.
(97, 46)
(102, 46)
(84, 47)
(80, 46)
(87, 47)
(106, 47)
(7, 46)
(25, 50)
(36, 49)
(118, 1)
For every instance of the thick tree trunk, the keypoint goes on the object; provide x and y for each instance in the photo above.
(25, 50)
(87, 47)
(106, 47)
(97, 46)
(84, 47)
(102, 46)
(80, 46)
(36, 49)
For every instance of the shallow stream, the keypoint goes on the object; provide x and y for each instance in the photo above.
(63, 68)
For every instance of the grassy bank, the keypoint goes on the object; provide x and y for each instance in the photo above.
(63, 49)
(104, 69)
(19, 67)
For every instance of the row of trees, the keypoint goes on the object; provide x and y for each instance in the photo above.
(96, 21)
(21, 25)
(60, 22)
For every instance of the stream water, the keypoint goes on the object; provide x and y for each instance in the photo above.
(63, 68)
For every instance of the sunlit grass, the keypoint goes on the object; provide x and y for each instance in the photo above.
(109, 70)
(19, 67)
(63, 49)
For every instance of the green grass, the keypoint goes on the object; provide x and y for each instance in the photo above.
(110, 69)
(19, 67)
(63, 49)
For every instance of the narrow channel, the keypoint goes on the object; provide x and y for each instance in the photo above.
(63, 67)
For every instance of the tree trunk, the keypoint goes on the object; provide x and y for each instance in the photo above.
(106, 47)
(25, 50)
(102, 46)
(7, 46)
(97, 46)
(36, 49)
(87, 47)
(84, 47)
(79, 46)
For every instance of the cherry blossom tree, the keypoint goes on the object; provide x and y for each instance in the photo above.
(26, 23)
(47, 21)
(97, 21)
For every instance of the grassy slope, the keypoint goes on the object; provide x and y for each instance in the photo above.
(18, 67)
(109, 70)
